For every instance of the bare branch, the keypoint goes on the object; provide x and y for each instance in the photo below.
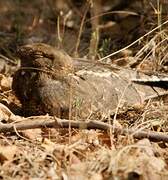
(53, 122)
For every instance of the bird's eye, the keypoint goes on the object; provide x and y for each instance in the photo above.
(23, 73)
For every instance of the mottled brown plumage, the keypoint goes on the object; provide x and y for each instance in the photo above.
(47, 83)
(42, 70)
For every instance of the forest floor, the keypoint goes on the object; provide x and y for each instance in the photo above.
(130, 34)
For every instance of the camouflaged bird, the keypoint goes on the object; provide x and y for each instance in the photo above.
(50, 81)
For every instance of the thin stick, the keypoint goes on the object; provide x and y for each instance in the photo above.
(94, 10)
(80, 32)
(51, 122)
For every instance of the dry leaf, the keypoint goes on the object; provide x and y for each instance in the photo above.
(48, 145)
(5, 83)
(78, 171)
(74, 159)
(7, 152)
(97, 176)
(147, 146)
(7, 115)
(33, 134)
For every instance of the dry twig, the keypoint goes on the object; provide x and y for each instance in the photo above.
(52, 122)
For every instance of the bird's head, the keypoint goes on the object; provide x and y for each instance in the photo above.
(46, 57)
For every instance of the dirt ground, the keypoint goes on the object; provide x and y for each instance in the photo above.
(129, 34)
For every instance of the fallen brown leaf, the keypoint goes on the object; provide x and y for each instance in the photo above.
(7, 153)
